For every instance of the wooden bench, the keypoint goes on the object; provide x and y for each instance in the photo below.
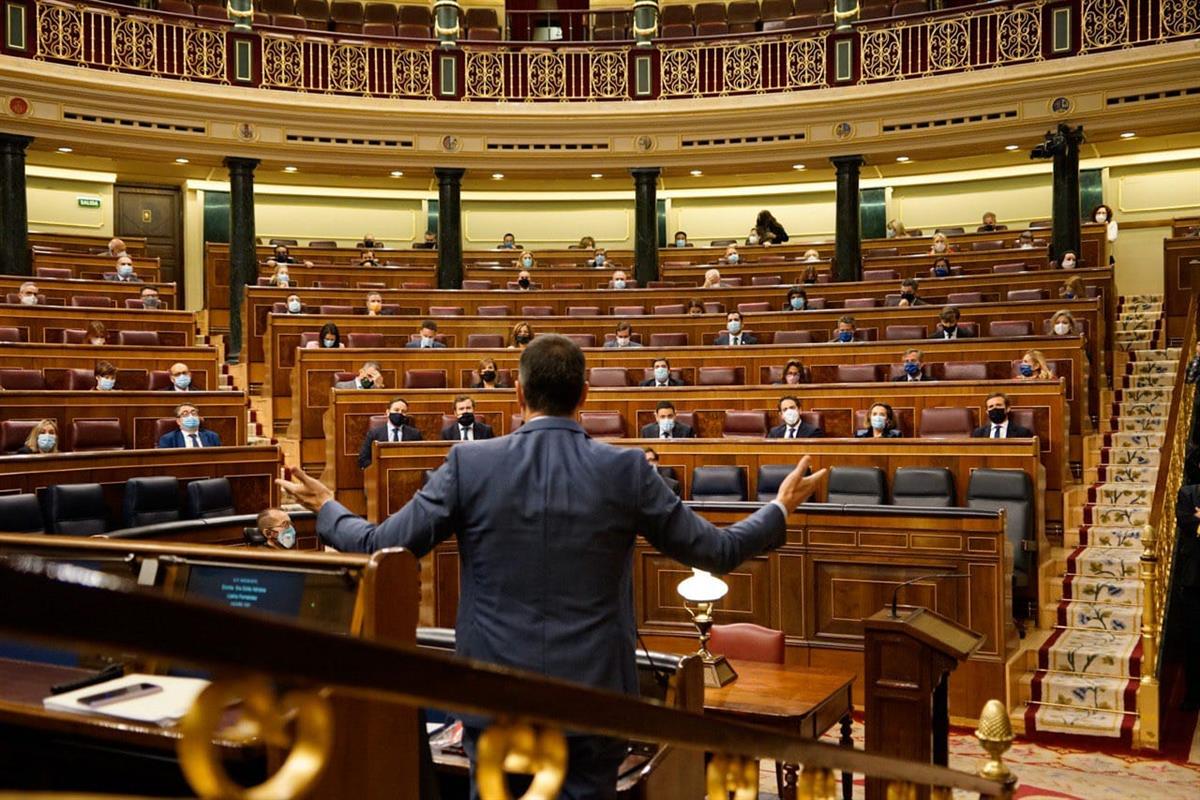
(84, 243)
(54, 360)
(46, 324)
(1181, 273)
(59, 291)
(93, 267)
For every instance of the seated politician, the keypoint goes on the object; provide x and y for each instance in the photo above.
(28, 294)
(793, 427)
(909, 288)
(914, 367)
(181, 377)
(847, 326)
(105, 374)
(42, 438)
(662, 375)
(666, 427)
(489, 376)
(465, 427)
(793, 374)
(190, 432)
(428, 336)
(369, 377)
(652, 460)
(125, 273)
(275, 527)
(396, 429)
(619, 279)
(950, 328)
(881, 424)
(623, 336)
(733, 335)
(150, 299)
(374, 304)
(999, 426)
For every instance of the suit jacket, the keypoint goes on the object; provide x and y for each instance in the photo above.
(671, 483)
(670, 382)
(680, 431)
(806, 431)
(417, 344)
(1187, 563)
(350, 384)
(119, 279)
(452, 433)
(612, 343)
(747, 338)
(1014, 431)
(380, 433)
(175, 438)
(546, 520)
(960, 334)
(865, 433)
(922, 378)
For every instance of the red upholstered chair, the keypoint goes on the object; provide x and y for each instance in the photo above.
(537, 311)
(138, 338)
(445, 311)
(747, 642)
(53, 272)
(346, 16)
(748, 308)
(1000, 269)
(384, 29)
(776, 10)
(670, 308)
(480, 340)
(8, 334)
(96, 434)
(14, 432)
(883, 252)
(364, 340)
(379, 12)
(370, 284)
(336, 310)
(1024, 417)
(742, 16)
(514, 286)
(861, 302)
(74, 336)
(603, 424)
(425, 379)
(1027, 294)
(412, 31)
(744, 425)
(958, 298)
(794, 337)
(160, 380)
(263, 281)
(816, 303)
(12, 298)
(82, 380)
(713, 307)
(892, 332)
(416, 285)
(342, 377)
(22, 379)
(629, 311)
(766, 280)
(493, 311)
(608, 377)
(909, 7)
(582, 339)
(163, 426)
(964, 371)
(721, 376)
(583, 311)
(676, 31)
(308, 336)
(946, 423)
(858, 373)
(1010, 327)
(880, 275)
(332, 284)
(472, 285)
(566, 286)
(212, 12)
(315, 13)
(990, 244)
(771, 259)
(731, 281)
(668, 339)
(1041, 223)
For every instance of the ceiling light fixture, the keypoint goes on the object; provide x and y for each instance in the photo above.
(696, 173)
(902, 159)
(65, 150)
(290, 169)
(397, 173)
(798, 166)
(597, 175)
(1128, 135)
(496, 176)
(181, 161)
(1011, 147)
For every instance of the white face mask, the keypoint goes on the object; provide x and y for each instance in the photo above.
(791, 416)
(939, 247)
(1101, 216)
(1068, 263)
(752, 239)
(29, 299)
(1062, 328)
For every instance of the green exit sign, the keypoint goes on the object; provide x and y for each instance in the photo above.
(88, 202)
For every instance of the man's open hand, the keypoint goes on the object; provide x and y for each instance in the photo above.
(798, 486)
(308, 491)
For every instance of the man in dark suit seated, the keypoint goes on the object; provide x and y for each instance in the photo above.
(733, 335)
(150, 299)
(429, 242)
(667, 427)
(369, 377)
(914, 367)
(397, 429)
(662, 375)
(181, 377)
(847, 326)
(189, 433)
(125, 273)
(428, 336)
(909, 296)
(793, 427)
(652, 460)
(465, 427)
(999, 426)
(949, 328)
(115, 249)
(561, 611)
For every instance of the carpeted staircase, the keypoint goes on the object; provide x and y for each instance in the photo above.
(1085, 679)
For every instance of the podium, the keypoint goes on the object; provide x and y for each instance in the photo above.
(909, 658)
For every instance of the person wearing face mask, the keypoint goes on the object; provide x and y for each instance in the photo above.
(181, 378)
(599, 257)
(752, 237)
(489, 376)
(294, 305)
(792, 426)
(896, 230)
(941, 268)
(366, 258)
(374, 304)
(466, 428)
(96, 334)
(1033, 367)
(1103, 215)
(846, 328)
(623, 337)
(427, 337)
(666, 426)
(115, 249)
(681, 239)
(28, 294)
(106, 376)
(914, 368)
(989, 224)
(809, 276)
(369, 377)
(712, 279)
(733, 336)
(999, 426)
(282, 277)
(768, 229)
(524, 282)
(521, 336)
(793, 374)
(948, 327)
(398, 428)
(811, 256)
(881, 424)
(652, 460)
(42, 439)
(150, 299)
(1025, 240)
(190, 432)
(369, 242)
(281, 256)
(124, 273)
(1069, 260)
(940, 244)
(276, 528)
(797, 299)
(661, 375)
(909, 288)
(619, 280)
(1063, 324)
(508, 243)
(1072, 289)
(429, 242)
(526, 260)
(329, 337)
(732, 256)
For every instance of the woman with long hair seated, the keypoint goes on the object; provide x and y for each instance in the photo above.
(42, 439)
(489, 376)
(1033, 367)
(521, 336)
(881, 424)
(328, 337)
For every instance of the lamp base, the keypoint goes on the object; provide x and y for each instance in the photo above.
(718, 672)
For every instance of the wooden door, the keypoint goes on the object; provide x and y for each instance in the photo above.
(155, 212)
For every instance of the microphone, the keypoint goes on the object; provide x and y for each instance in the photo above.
(896, 593)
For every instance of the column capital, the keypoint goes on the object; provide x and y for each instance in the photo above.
(14, 142)
(449, 174)
(239, 164)
(846, 162)
(642, 173)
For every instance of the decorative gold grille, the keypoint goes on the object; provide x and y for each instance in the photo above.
(736, 67)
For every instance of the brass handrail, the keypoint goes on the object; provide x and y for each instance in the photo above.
(57, 602)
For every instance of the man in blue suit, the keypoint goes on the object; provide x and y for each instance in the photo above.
(189, 433)
(546, 519)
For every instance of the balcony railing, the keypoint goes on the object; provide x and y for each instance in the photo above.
(960, 40)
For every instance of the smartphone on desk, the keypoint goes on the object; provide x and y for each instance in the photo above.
(120, 695)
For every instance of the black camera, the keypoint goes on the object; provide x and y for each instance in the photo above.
(1056, 142)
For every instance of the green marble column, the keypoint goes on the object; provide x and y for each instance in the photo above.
(449, 240)
(243, 257)
(14, 216)
(847, 265)
(645, 224)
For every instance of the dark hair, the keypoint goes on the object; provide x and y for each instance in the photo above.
(329, 328)
(95, 328)
(677, 235)
(910, 282)
(460, 398)
(764, 219)
(891, 415)
(664, 404)
(847, 319)
(939, 260)
(729, 314)
(505, 236)
(624, 325)
(552, 375)
(651, 450)
(791, 397)
(662, 359)
(429, 323)
(105, 368)
(950, 312)
(693, 303)
(395, 400)
(1106, 208)
(796, 290)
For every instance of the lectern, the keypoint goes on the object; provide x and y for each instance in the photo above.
(909, 658)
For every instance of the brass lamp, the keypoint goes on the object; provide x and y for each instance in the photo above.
(703, 590)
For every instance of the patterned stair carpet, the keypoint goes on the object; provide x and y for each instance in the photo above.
(1088, 669)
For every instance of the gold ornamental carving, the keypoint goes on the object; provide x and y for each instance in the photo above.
(521, 749)
(282, 62)
(1020, 35)
(412, 73)
(1180, 17)
(547, 75)
(609, 75)
(133, 44)
(680, 71)
(1105, 24)
(60, 32)
(204, 54)
(484, 74)
(743, 68)
(880, 54)
(348, 69)
(806, 63)
(949, 45)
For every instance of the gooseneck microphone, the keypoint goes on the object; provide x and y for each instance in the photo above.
(896, 592)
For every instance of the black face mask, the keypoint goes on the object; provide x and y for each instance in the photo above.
(908, 296)
(467, 419)
(523, 283)
(523, 338)
(281, 257)
(997, 415)
(397, 419)
(488, 375)
(366, 383)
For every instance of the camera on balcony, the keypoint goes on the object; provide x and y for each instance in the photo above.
(1056, 142)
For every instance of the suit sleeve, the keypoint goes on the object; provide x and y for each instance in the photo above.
(216, 438)
(817, 433)
(364, 452)
(448, 433)
(163, 443)
(428, 518)
(687, 537)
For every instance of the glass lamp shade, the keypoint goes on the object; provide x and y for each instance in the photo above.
(702, 587)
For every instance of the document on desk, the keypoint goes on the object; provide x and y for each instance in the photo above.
(154, 699)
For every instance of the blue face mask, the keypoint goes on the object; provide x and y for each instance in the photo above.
(845, 336)
(1025, 370)
(1068, 295)
(294, 306)
(125, 270)
(940, 272)
(666, 425)
(599, 260)
(797, 303)
(912, 368)
(46, 442)
(287, 537)
(191, 422)
(330, 342)
(282, 279)
(734, 326)
(681, 242)
(527, 262)
(878, 422)
(183, 381)
(661, 374)
(733, 258)
(618, 284)
(105, 384)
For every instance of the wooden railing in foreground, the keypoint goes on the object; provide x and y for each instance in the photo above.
(1159, 539)
(54, 602)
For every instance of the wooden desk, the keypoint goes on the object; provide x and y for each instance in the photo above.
(93, 267)
(83, 243)
(801, 701)
(47, 323)
(63, 289)
(55, 359)
(1181, 273)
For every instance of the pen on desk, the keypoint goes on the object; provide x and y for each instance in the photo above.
(111, 672)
